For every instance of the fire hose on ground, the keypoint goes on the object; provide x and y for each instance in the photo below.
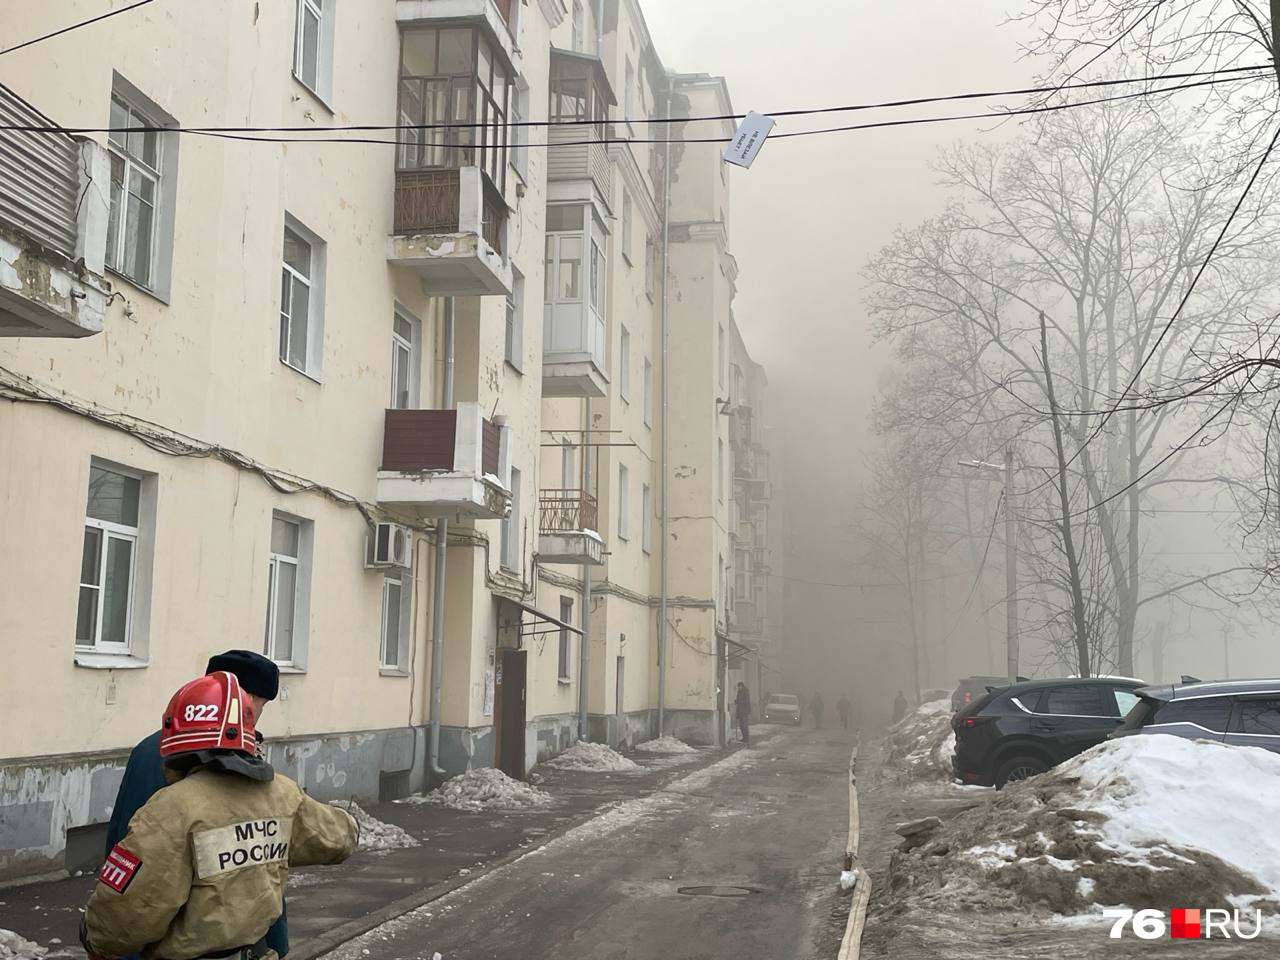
(853, 877)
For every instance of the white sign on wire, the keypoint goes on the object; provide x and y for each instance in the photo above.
(745, 146)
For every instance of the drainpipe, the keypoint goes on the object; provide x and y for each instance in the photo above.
(584, 642)
(666, 377)
(442, 547)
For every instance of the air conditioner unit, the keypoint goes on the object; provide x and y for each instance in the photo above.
(391, 545)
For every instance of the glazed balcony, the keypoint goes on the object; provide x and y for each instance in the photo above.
(567, 524)
(446, 463)
(54, 211)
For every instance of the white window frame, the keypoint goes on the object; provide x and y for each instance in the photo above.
(409, 353)
(626, 226)
(624, 482)
(164, 177)
(108, 531)
(511, 555)
(513, 347)
(647, 387)
(401, 640)
(324, 13)
(302, 592)
(720, 354)
(315, 300)
(646, 521)
(650, 266)
(578, 38)
(720, 469)
(624, 363)
(629, 77)
(519, 152)
(564, 652)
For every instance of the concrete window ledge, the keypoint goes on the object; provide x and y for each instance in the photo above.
(109, 661)
(387, 672)
(564, 681)
(291, 671)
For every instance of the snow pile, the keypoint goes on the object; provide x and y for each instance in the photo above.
(15, 947)
(485, 789)
(1143, 822)
(665, 745)
(374, 834)
(921, 744)
(595, 757)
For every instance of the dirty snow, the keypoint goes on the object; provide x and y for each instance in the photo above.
(1142, 821)
(485, 789)
(921, 744)
(594, 757)
(374, 834)
(665, 745)
(14, 947)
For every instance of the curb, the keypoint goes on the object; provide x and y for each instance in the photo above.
(335, 938)
(851, 944)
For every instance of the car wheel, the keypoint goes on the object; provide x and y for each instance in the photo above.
(1019, 768)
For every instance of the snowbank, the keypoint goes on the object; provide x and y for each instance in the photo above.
(921, 744)
(14, 947)
(485, 789)
(1143, 822)
(595, 757)
(374, 834)
(665, 745)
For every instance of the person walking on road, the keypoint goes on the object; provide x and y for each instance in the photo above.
(202, 869)
(842, 707)
(743, 708)
(144, 774)
(899, 707)
(816, 707)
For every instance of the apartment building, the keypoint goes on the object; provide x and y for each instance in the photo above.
(387, 412)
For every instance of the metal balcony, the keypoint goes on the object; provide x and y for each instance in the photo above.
(567, 522)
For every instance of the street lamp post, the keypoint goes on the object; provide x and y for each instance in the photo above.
(1011, 556)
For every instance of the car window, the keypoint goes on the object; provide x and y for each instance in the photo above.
(1125, 700)
(1077, 700)
(1212, 713)
(1259, 717)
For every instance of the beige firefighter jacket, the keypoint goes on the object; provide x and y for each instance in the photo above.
(204, 865)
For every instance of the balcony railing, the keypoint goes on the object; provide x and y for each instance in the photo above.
(427, 201)
(567, 511)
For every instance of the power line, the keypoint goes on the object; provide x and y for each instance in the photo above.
(251, 134)
(75, 26)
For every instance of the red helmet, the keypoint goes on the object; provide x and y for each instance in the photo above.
(209, 713)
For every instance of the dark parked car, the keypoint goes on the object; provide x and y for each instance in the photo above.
(971, 688)
(1016, 732)
(1240, 712)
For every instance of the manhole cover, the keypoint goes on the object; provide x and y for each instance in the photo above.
(717, 891)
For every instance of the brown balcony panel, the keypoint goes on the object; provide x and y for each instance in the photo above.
(491, 449)
(415, 440)
(495, 215)
(426, 201)
(567, 511)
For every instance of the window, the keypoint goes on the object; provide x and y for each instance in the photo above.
(520, 134)
(511, 527)
(577, 94)
(288, 589)
(405, 361)
(453, 80)
(564, 254)
(1212, 713)
(630, 79)
(578, 27)
(623, 484)
(1079, 700)
(1125, 700)
(650, 266)
(624, 364)
(566, 617)
(395, 623)
(515, 322)
(597, 277)
(302, 299)
(720, 470)
(626, 227)
(720, 359)
(143, 190)
(313, 46)
(108, 564)
(1260, 718)
(646, 519)
(648, 393)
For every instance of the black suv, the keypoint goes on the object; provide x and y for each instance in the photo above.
(1016, 732)
(1240, 712)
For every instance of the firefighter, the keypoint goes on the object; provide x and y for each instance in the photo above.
(203, 867)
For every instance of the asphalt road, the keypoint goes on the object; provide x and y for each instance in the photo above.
(762, 831)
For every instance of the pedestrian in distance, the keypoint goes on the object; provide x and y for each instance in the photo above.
(843, 706)
(816, 707)
(202, 870)
(899, 707)
(144, 773)
(743, 709)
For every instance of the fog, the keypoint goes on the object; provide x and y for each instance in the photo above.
(807, 219)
